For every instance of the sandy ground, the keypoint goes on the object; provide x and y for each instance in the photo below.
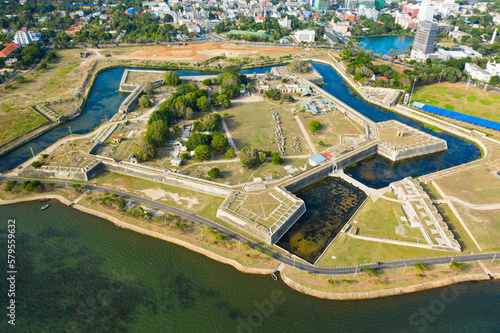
(206, 51)
(160, 194)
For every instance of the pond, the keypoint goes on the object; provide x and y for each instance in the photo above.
(384, 44)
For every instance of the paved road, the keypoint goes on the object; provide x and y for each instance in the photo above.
(287, 260)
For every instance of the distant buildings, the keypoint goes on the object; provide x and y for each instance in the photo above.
(322, 4)
(306, 36)
(285, 22)
(24, 37)
(407, 22)
(481, 74)
(369, 13)
(354, 4)
(423, 44)
(427, 11)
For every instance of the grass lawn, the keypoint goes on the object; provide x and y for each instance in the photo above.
(386, 279)
(380, 218)
(431, 191)
(333, 126)
(60, 80)
(252, 125)
(476, 185)
(199, 203)
(351, 251)
(484, 225)
(14, 121)
(234, 173)
(466, 243)
(453, 96)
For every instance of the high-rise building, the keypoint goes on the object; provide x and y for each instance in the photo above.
(354, 4)
(322, 4)
(423, 44)
(427, 11)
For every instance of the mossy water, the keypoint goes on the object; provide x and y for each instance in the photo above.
(330, 203)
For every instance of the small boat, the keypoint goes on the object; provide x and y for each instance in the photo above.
(275, 278)
(45, 207)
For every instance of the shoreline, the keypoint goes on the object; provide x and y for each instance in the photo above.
(263, 271)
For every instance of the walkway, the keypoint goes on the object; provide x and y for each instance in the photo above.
(304, 132)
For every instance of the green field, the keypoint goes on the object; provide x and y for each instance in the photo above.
(252, 125)
(454, 97)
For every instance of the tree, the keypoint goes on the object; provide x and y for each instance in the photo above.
(157, 133)
(207, 82)
(276, 159)
(208, 123)
(249, 157)
(197, 139)
(223, 101)
(457, 265)
(298, 66)
(230, 153)
(171, 78)
(314, 126)
(148, 88)
(144, 101)
(321, 143)
(219, 142)
(202, 152)
(143, 150)
(36, 164)
(203, 104)
(214, 173)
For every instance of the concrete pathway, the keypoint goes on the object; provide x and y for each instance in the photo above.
(309, 142)
(229, 137)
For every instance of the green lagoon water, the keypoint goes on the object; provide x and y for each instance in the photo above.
(79, 273)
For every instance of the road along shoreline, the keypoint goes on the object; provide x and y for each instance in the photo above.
(263, 271)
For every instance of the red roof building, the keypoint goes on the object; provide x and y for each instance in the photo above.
(9, 48)
(326, 155)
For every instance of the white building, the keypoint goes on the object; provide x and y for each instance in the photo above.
(370, 13)
(458, 52)
(306, 36)
(285, 22)
(24, 37)
(427, 11)
(477, 73)
(493, 68)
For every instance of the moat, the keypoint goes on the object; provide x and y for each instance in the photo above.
(330, 203)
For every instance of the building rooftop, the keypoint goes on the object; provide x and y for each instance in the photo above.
(9, 48)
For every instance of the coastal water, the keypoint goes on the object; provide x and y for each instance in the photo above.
(103, 103)
(79, 273)
(384, 44)
(378, 172)
(330, 203)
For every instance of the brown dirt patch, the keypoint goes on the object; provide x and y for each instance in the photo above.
(206, 51)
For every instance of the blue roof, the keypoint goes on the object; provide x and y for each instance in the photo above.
(313, 109)
(318, 158)
(458, 116)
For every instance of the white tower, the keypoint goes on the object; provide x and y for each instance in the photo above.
(494, 36)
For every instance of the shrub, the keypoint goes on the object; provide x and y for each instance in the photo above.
(276, 159)
(214, 173)
(421, 266)
(314, 126)
(331, 282)
(321, 143)
(269, 254)
(36, 164)
(10, 184)
(457, 265)
(45, 155)
(230, 153)
(370, 271)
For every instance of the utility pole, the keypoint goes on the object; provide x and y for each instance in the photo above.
(494, 257)
(70, 130)
(441, 76)
(451, 260)
(32, 153)
(356, 271)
